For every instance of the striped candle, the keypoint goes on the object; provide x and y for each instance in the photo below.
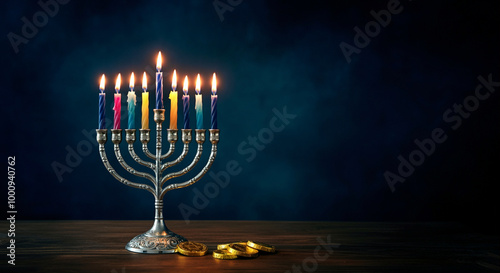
(118, 105)
(132, 100)
(159, 83)
(102, 105)
(145, 103)
(198, 104)
(214, 104)
(173, 103)
(185, 103)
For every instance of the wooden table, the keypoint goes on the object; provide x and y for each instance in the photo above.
(98, 246)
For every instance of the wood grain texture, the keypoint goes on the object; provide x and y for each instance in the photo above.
(98, 246)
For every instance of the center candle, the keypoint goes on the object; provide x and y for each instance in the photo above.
(118, 104)
(173, 103)
(159, 83)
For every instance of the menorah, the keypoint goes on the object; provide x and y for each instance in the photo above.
(159, 239)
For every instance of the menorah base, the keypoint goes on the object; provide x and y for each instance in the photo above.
(155, 244)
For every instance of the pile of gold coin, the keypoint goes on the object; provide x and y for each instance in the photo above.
(249, 249)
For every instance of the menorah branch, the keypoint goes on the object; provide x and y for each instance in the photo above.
(102, 139)
(200, 139)
(138, 159)
(130, 138)
(145, 137)
(172, 139)
(117, 137)
(214, 139)
(186, 139)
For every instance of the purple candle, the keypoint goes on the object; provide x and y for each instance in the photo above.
(102, 105)
(159, 83)
(214, 104)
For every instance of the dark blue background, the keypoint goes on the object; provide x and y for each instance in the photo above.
(353, 119)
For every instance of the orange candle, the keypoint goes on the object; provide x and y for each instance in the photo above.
(173, 103)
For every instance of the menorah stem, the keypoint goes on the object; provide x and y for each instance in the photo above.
(159, 117)
(159, 228)
(158, 239)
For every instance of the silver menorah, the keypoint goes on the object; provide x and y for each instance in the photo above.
(159, 239)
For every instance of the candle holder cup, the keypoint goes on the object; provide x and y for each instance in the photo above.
(159, 239)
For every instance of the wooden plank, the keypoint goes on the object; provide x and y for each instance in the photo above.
(98, 246)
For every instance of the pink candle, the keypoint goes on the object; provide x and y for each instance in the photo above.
(118, 105)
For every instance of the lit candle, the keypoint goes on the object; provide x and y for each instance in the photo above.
(185, 103)
(145, 103)
(173, 103)
(118, 106)
(102, 105)
(159, 83)
(214, 103)
(198, 105)
(131, 99)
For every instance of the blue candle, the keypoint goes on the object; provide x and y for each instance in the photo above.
(214, 104)
(185, 103)
(132, 100)
(159, 83)
(102, 105)
(198, 105)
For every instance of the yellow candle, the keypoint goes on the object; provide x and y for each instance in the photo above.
(145, 103)
(173, 103)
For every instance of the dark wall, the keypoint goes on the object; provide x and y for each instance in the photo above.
(355, 107)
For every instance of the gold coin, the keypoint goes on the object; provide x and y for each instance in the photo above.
(261, 246)
(224, 246)
(192, 249)
(242, 250)
(223, 255)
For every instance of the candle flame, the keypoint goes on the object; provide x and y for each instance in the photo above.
(174, 81)
(198, 84)
(144, 82)
(118, 83)
(158, 62)
(132, 81)
(185, 86)
(103, 82)
(214, 85)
